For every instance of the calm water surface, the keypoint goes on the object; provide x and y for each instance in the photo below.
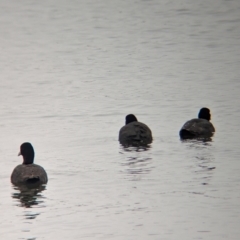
(71, 71)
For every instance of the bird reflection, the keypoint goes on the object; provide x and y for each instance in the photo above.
(141, 148)
(137, 165)
(202, 152)
(197, 140)
(195, 144)
(205, 169)
(137, 160)
(28, 196)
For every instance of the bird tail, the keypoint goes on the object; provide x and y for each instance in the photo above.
(33, 180)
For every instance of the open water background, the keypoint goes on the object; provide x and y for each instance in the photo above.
(70, 73)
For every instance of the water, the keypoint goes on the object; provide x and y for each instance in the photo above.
(71, 71)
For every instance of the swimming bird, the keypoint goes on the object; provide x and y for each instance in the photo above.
(134, 132)
(200, 127)
(28, 172)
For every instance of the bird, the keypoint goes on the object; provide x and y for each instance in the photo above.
(134, 132)
(200, 127)
(28, 172)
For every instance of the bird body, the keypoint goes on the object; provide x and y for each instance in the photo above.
(134, 132)
(28, 172)
(197, 128)
(200, 127)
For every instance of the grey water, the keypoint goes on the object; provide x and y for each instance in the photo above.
(70, 73)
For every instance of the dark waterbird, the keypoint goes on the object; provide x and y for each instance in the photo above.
(200, 127)
(134, 133)
(28, 172)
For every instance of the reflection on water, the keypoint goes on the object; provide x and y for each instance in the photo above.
(205, 169)
(197, 141)
(28, 196)
(137, 165)
(142, 148)
(202, 153)
(138, 160)
(135, 145)
(198, 144)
